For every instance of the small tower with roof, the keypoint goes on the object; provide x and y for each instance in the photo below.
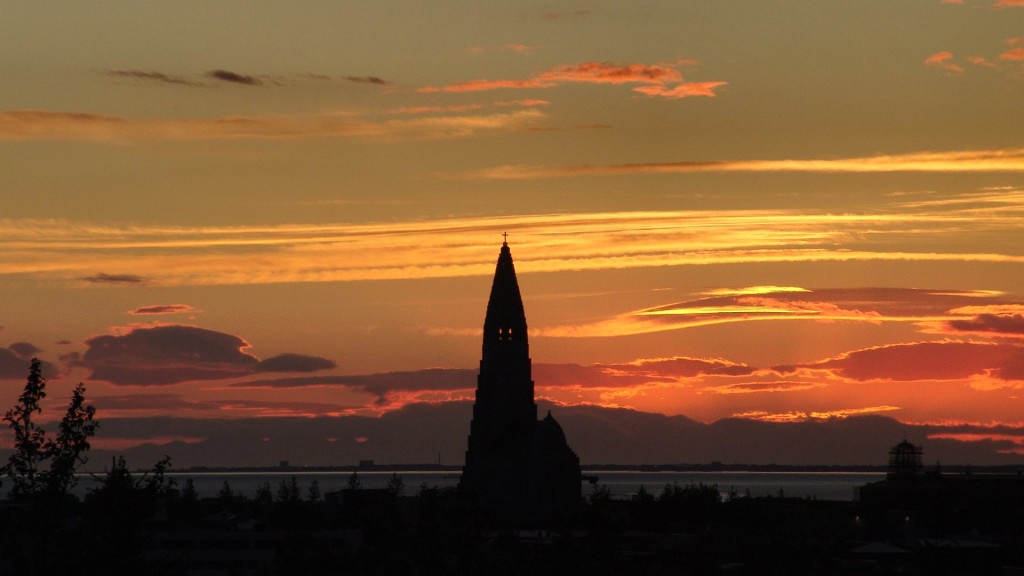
(905, 461)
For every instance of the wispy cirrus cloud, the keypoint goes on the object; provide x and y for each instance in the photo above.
(997, 160)
(638, 372)
(526, 103)
(663, 80)
(28, 125)
(908, 230)
(923, 308)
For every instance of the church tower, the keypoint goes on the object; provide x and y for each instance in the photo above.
(515, 465)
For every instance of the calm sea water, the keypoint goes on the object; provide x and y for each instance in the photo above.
(819, 485)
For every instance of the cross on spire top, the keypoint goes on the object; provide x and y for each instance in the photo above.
(505, 236)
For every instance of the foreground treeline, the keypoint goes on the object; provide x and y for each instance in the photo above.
(135, 523)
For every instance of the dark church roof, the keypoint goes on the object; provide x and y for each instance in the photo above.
(549, 432)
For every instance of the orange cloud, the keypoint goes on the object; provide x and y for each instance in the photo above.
(520, 48)
(944, 60)
(874, 305)
(1006, 160)
(1009, 3)
(457, 247)
(660, 80)
(977, 437)
(753, 290)
(802, 416)
(27, 125)
(435, 109)
(637, 373)
(1014, 54)
(924, 361)
(939, 58)
(684, 90)
(764, 387)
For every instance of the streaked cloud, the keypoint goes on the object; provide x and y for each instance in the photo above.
(639, 372)
(234, 77)
(802, 416)
(396, 388)
(531, 102)
(294, 363)
(1004, 160)
(163, 309)
(925, 308)
(366, 80)
(764, 387)
(28, 125)
(754, 290)
(104, 278)
(906, 230)
(683, 90)
(153, 76)
(662, 80)
(924, 361)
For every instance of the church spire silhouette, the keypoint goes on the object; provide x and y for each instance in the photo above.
(515, 465)
(505, 323)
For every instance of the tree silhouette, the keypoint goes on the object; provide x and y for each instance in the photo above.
(314, 492)
(32, 447)
(67, 451)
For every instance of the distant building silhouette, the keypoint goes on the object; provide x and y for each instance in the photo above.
(517, 468)
(905, 461)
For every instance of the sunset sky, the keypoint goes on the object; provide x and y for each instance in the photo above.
(784, 210)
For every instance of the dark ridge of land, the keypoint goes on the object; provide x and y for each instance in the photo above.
(712, 467)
